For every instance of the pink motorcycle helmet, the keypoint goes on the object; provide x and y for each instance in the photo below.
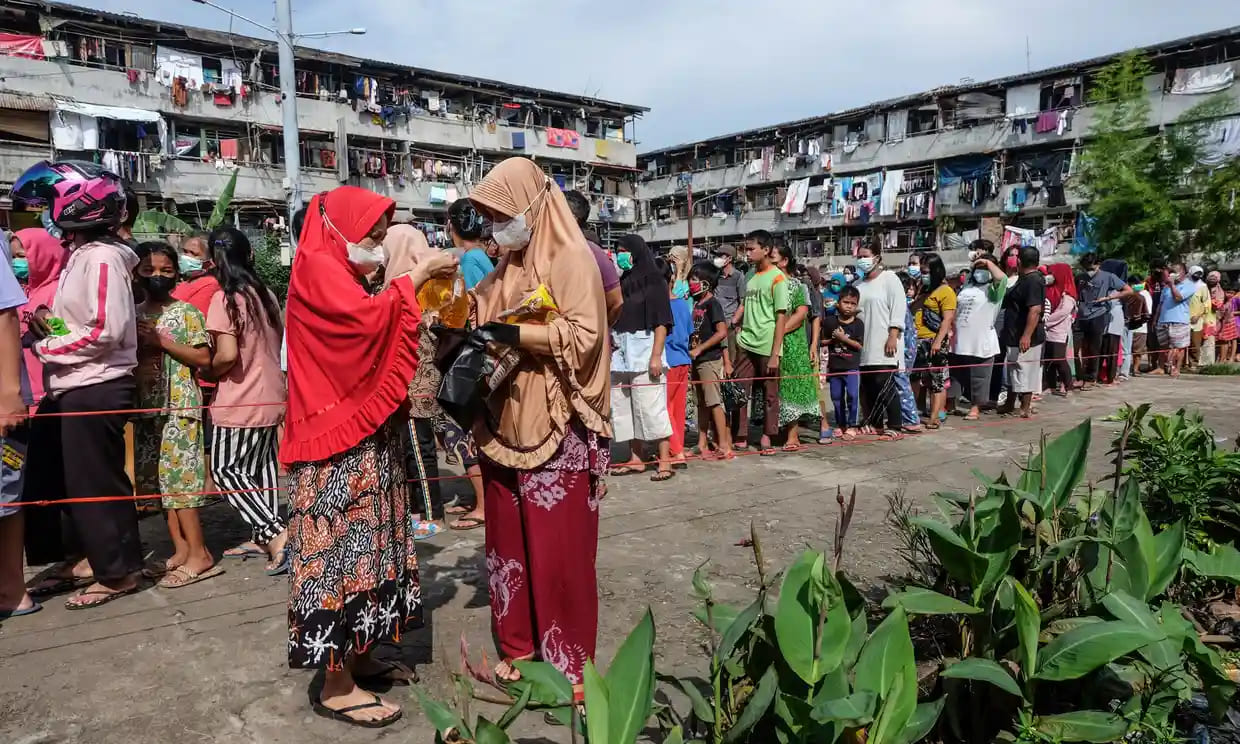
(86, 197)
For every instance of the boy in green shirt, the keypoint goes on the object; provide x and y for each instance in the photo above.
(761, 337)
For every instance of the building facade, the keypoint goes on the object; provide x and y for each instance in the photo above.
(176, 109)
(933, 170)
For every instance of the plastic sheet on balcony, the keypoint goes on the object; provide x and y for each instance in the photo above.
(123, 113)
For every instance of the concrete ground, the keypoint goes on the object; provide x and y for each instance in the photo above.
(207, 663)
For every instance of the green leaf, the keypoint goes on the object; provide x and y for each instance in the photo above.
(1063, 625)
(721, 614)
(919, 601)
(548, 685)
(1164, 655)
(961, 561)
(997, 565)
(885, 655)
(598, 715)
(516, 708)
(896, 708)
(796, 618)
(156, 225)
(853, 711)
(1065, 457)
(984, 670)
(738, 628)
(443, 718)
(675, 736)
(220, 212)
(1127, 508)
(755, 709)
(1168, 556)
(701, 587)
(696, 690)
(1082, 725)
(1080, 651)
(1064, 549)
(1222, 562)
(1028, 626)
(488, 733)
(922, 723)
(630, 682)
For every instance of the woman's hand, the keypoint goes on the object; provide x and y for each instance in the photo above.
(148, 335)
(442, 265)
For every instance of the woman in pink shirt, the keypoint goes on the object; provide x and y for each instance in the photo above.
(1061, 309)
(245, 323)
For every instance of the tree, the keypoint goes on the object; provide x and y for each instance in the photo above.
(1135, 181)
(268, 266)
(1218, 212)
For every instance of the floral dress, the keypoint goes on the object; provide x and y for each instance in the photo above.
(169, 458)
(798, 385)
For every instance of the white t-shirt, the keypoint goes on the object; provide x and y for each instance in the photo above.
(1149, 308)
(975, 323)
(883, 305)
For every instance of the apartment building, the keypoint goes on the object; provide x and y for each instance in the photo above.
(176, 109)
(932, 170)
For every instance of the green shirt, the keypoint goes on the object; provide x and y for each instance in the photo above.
(765, 295)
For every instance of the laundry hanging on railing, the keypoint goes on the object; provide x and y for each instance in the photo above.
(1207, 79)
(1220, 142)
(794, 202)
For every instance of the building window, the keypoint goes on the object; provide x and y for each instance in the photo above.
(1061, 94)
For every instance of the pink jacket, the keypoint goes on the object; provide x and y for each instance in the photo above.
(1059, 320)
(95, 299)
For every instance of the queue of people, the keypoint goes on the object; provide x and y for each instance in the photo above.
(353, 387)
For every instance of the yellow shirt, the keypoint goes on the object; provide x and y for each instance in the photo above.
(938, 304)
(1200, 311)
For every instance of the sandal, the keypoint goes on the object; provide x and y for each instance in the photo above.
(10, 614)
(342, 714)
(245, 551)
(663, 475)
(513, 674)
(932, 426)
(619, 470)
(58, 585)
(792, 447)
(393, 673)
(849, 435)
(456, 511)
(769, 452)
(183, 576)
(825, 437)
(891, 436)
(107, 597)
(465, 524)
(281, 560)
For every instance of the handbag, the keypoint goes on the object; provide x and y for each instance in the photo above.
(470, 371)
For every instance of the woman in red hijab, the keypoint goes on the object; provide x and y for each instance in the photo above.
(350, 358)
(46, 256)
(1060, 312)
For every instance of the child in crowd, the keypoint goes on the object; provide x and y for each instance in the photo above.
(910, 417)
(843, 332)
(169, 457)
(1228, 331)
(678, 361)
(711, 365)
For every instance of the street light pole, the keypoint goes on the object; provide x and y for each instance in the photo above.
(288, 101)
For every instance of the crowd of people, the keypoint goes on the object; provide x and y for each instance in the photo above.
(352, 385)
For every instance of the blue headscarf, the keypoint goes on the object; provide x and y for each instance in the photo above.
(831, 291)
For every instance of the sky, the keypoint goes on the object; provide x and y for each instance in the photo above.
(711, 68)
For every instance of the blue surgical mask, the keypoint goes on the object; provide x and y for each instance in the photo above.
(189, 265)
(914, 271)
(21, 268)
(866, 264)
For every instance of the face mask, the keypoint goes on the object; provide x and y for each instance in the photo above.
(848, 277)
(1049, 280)
(1138, 288)
(925, 280)
(908, 300)
(364, 258)
(511, 234)
(680, 289)
(720, 261)
(624, 261)
(21, 268)
(829, 303)
(697, 289)
(1011, 262)
(866, 265)
(914, 272)
(159, 287)
(981, 276)
(189, 264)
(1212, 282)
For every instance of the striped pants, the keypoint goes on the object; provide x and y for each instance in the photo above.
(243, 463)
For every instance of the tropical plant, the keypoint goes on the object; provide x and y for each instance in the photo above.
(154, 222)
(269, 267)
(1051, 583)
(1184, 474)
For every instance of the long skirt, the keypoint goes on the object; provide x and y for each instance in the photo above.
(354, 571)
(541, 542)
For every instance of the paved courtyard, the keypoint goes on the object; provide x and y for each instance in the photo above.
(207, 663)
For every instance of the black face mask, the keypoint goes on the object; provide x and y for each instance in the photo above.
(159, 287)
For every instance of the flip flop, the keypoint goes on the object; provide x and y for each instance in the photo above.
(245, 552)
(342, 714)
(281, 564)
(792, 448)
(471, 523)
(768, 452)
(663, 475)
(182, 576)
(9, 614)
(60, 586)
(620, 470)
(457, 510)
(824, 437)
(385, 676)
(107, 597)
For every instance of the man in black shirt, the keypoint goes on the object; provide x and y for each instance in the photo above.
(1024, 334)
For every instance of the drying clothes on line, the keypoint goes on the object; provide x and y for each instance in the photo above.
(1207, 79)
(171, 64)
(1220, 142)
(1047, 122)
(911, 205)
(794, 202)
(754, 168)
(1065, 122)
(768, 161)
(891, 192)
(72, 131)
(230, 76)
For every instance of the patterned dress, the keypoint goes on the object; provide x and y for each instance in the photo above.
(798, 387)
(168, 446)
(354, 570)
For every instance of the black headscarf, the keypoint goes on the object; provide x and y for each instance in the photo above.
(1117, 267)
(646, 302)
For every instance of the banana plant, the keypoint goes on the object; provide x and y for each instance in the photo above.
(155, 222)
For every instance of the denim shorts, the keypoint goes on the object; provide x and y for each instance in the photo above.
(12, 468)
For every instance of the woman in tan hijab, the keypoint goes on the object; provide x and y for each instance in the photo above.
(545, 434)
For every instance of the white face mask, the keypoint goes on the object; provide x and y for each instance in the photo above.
(511, 234)
(366, 259)
(719, 262)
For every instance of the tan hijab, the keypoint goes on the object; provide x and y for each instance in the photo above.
(679, 256)
(530, 412)
(404, 247)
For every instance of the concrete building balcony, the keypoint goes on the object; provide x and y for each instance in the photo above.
(922, 149)
(16, 157)
(112, 88)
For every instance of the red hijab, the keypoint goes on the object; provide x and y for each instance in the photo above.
(350, 355)
(47, 257)
(1065, 283)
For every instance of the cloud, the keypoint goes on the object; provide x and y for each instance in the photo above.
(707, 69)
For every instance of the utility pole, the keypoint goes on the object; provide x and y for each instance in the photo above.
(288, 101)
(691, 222)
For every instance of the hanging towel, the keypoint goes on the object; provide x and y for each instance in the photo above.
(601, 148)
(228, 149)
(439, 195)
(1047, 122)
(518, 140)
(891, 192)
(794, 201)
